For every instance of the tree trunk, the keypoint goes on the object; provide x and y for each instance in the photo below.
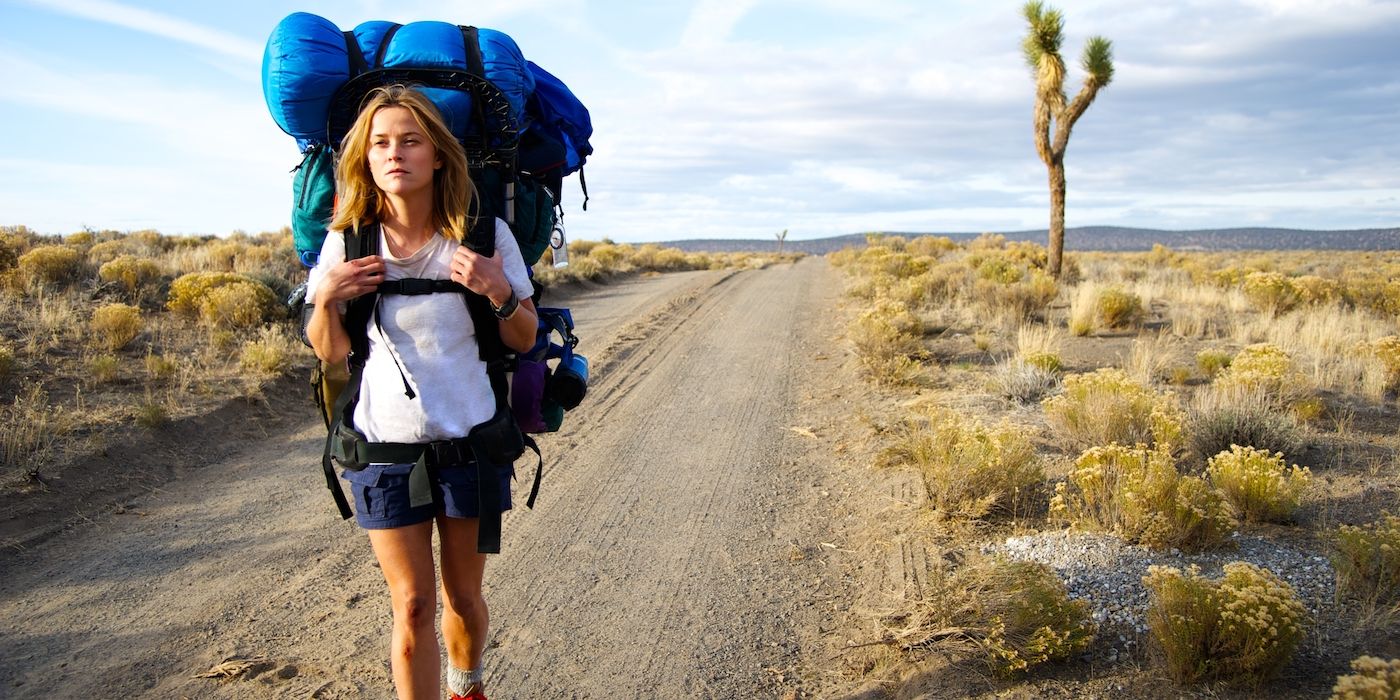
(1057, 216)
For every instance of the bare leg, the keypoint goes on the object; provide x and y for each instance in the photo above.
(464, 616)
(406, 556)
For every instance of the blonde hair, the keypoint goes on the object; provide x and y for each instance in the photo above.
(360, 201)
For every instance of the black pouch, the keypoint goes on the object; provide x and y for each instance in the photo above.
(497, 441)
(343, 451)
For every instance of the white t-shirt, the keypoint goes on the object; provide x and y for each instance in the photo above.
(433, 340)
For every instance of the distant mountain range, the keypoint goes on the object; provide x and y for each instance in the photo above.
(1105, 238)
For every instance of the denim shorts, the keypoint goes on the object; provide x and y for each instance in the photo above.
(382, 498)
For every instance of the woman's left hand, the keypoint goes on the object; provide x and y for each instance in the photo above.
(481, 274)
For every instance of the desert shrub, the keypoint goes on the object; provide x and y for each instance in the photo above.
(1137, 493)
(1367, 561)
(969, 469)
(1217, 419)
(1242, 628)
(1270, 292)
(1212, 362)
(13, 244)
(930, 246)
(1371, 679)
(1373, 291)
(1260, 486)
(1387, 350)
(1263, 367)
(1313, 290)
(1039, 345)
(1107, 406)
(270, 354)
(54, 265)
(129, 271)
(7, 360)
(1081, 310)
(999, 269)
(1014, 615)
(885, 338)
(107, 251)
(654, 257)
(1116, 307)
(613, 257)
(1026, 380)
(160, 367)
(103, 368)
(222, 299)
(151, 413)
(114, 326)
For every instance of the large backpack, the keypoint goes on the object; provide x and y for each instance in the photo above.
(315, 78)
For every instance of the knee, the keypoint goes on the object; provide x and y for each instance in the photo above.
(465, 602)
(416, 611)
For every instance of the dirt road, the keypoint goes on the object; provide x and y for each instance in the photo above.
(673, 551)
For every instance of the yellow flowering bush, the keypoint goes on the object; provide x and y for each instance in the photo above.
(222, 300)
(1260, 486)
(1314, 290)
(1116, 307)
(1262, 367)
(969, 469)
(1271, 292)
(1371, 679)
(1137, 493)
(129, 271)
(1108, 406)
(1367, 561)
(1242, 628)
(114, 326)
(56, 265)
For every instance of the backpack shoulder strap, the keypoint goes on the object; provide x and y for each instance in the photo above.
(358, 244)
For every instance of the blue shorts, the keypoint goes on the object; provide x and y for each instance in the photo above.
(382, 499)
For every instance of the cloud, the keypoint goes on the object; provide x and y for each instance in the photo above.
(158, 24)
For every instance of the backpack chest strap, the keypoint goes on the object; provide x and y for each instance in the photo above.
(415, 286)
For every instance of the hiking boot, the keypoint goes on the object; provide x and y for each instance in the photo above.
(474, 695)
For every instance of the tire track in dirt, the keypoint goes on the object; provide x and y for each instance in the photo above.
(648, 544)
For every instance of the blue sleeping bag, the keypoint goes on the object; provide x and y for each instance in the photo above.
(308, 58)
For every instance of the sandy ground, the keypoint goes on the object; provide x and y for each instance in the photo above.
(675, 550)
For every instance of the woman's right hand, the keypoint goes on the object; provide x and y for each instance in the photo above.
(350, 279)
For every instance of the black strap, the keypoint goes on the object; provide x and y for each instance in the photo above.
(358, 244)
(583, 184)
(357, 57)
(413, 286)
(472, 43)
(384, 45)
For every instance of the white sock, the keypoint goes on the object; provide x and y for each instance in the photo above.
(460, 681)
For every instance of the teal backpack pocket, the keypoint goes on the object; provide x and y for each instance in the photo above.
(313, 202)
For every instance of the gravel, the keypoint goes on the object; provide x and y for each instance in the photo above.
(1107, 572)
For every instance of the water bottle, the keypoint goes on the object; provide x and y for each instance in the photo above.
(559, 247)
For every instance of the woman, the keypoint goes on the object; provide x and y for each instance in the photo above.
(423, 379)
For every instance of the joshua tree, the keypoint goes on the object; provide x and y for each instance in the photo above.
(1042, 48)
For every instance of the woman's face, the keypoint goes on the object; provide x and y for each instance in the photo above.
(401, 158)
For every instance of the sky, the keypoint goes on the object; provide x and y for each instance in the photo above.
(745, 118)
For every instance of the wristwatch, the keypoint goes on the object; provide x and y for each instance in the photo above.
(506, 310)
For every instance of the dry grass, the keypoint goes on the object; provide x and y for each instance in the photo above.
(969, 470)
(1107, 406)
(1013, 615)
(1367, 562)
